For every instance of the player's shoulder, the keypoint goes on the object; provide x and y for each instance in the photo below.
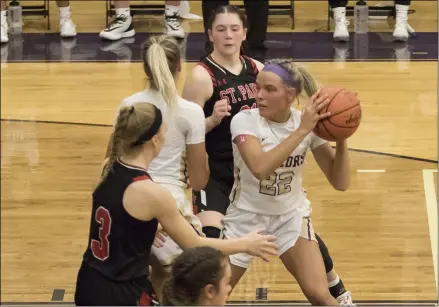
(259, 65)
(190, 110)
(252, 114)
(135, 98)
(200, 74)
(189, 105)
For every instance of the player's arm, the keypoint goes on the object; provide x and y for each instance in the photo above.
(198, 166)
(261, 163)
(199, 89)
(148, 200)
(334, 163)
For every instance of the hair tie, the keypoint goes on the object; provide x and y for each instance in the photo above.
(148, 134)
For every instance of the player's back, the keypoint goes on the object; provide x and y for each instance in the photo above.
(185, 126)
(119, 245)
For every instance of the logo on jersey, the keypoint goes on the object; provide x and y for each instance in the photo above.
(246, 92)
(294, 161)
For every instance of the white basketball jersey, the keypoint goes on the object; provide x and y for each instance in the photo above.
(186, 128)
(282, 191)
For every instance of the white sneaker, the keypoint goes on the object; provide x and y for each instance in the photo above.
(173, 26)
(4, 32)
(119, 28)
(345, 299)
(341, 33)
(401, 32)
(67, 28)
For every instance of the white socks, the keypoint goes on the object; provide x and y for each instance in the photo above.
(64, 13)
(3, 16)
(334, 282)
(170, 10)
(123, 11)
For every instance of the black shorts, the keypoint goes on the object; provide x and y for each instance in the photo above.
(94, 289)
(215, 196)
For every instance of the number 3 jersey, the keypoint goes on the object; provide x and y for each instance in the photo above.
(281, 192)
(119, 245)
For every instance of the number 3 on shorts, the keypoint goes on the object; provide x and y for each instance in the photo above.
(276, 184)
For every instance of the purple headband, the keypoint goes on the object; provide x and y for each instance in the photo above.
(281, 72)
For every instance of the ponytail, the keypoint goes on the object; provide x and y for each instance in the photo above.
(119, 128)
(310, 85)
(161, 77)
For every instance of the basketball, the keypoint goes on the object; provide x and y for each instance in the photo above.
(345, 117)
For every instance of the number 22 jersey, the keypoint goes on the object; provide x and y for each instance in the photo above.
(281, 192)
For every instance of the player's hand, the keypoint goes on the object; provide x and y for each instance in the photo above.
(221, 109)
(311, 113)
(160, 237)
(260, 245)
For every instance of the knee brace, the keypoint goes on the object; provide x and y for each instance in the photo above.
(212, 232)
(325, 254)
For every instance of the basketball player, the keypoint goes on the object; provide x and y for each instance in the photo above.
(184, 153)
(66, 26)
(127, 207)
(122, 26)
(224, 83)
(341, 33)
(272, 135)
(257, 12)
(189, 285)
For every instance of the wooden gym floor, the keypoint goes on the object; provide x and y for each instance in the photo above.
(381, 233)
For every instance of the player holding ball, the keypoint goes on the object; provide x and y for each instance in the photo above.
(269, 148)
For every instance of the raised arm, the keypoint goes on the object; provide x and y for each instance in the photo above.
(263, 163)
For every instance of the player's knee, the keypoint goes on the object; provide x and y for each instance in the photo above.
(212, 232)
(329, 265)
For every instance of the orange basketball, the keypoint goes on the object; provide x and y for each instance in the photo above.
(345, 118)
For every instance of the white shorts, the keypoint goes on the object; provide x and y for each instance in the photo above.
(167, 253)
(287, 228)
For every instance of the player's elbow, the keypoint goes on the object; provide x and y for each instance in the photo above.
(259, 173)
(199, 182)
(341, 186)
(198, 185)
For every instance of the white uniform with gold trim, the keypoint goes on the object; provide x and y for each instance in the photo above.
(277, 203)
(169, 168)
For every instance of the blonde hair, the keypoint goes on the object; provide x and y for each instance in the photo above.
(161, 61)
(131, 123)
(306, 82)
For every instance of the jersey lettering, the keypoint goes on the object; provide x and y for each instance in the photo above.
(101, 248)
(230, 92)
(277, 183)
